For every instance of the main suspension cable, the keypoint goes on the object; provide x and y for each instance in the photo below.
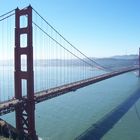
(103, 67)
(60, 44)
(7, 13)
(7, 17)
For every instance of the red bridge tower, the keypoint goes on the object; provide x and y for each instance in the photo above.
(25, 113)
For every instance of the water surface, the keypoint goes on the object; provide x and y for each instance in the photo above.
(67, 116)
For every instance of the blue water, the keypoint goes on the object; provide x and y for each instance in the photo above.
(67, 116)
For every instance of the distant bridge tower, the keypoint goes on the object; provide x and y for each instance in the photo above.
(25, 113)
(139, 62)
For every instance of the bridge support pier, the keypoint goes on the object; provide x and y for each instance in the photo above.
(25, 113)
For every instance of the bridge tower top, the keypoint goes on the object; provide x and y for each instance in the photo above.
(25, 113)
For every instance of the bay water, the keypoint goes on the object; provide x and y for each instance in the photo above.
(67, 116)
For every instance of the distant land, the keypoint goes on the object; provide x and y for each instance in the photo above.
(132, 56)
(113, 62)
(118, 61)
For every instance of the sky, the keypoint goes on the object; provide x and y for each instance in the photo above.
(99, 28)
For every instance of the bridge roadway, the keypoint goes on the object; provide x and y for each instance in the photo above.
(9, 106)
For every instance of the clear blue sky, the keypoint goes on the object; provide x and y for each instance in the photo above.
(99, 28)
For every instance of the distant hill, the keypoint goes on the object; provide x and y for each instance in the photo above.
(126, 56)
(114, 62)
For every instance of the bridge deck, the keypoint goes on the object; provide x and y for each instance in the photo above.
(9, 106)
(53, 92)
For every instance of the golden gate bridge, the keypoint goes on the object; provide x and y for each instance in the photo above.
(32, 44)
